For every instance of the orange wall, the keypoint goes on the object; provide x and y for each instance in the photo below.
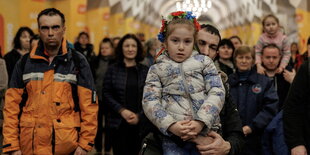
(248, 33)
(14, 14)
(99, 22)
(303, 21)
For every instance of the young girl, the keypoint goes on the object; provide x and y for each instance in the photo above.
(272, 34)
(183, 92)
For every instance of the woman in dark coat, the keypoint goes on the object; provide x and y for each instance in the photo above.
(122, 92)
(256, 99)
(224, 61)
(21, 44)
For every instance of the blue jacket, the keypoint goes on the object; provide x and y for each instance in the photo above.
(257, 102)
(273, 138)
(256, 99)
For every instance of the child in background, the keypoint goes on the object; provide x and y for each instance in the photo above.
(272, 34)
(183, 93)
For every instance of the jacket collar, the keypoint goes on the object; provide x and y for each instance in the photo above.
(38, 51)
(252, 79)
(165, 57)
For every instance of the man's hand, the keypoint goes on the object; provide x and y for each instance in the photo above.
(203, 140)
(18, 152)
(260, 69)
(131, 117)
(299, 150)
(246, 130)
(218, 147)
(181, 128)
(289, 76)
(80, 151)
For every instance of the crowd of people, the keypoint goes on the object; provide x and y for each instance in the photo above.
(187, 92)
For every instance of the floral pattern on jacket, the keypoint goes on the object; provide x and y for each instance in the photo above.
(191, 90)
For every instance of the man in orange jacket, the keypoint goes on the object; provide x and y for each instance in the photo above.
(60, 113)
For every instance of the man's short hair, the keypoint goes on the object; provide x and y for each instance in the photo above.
(51, 12)
(211, 29)
(271, 46)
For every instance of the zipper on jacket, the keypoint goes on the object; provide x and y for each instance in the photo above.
(143, 149)
(186, 91)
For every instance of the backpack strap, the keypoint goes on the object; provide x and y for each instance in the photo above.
(74, 89)
(22, 103)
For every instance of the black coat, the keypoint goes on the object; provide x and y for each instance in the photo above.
(282, 89)
(90, 55)
(11, 59)
(296, 111)
(114, 90)
(231, 124)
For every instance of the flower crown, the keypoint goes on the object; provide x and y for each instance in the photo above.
(179, 14)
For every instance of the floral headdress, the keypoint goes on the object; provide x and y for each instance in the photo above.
(179, 14)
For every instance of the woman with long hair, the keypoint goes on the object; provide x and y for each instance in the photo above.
(21, 46)
(122, 92)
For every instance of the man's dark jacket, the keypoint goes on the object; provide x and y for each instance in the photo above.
(296, 111)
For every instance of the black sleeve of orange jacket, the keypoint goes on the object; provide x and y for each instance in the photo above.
(88, 106)
(11, 110)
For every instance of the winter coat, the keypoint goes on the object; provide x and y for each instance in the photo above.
(296, 111)
(114, 91)
(273, 137)
(101, 68)
(223, 67)
(230, 121)
(257, 103)
(49, 122)
(256, 99)
(90, 55)
(11, 59)
(191, 90)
